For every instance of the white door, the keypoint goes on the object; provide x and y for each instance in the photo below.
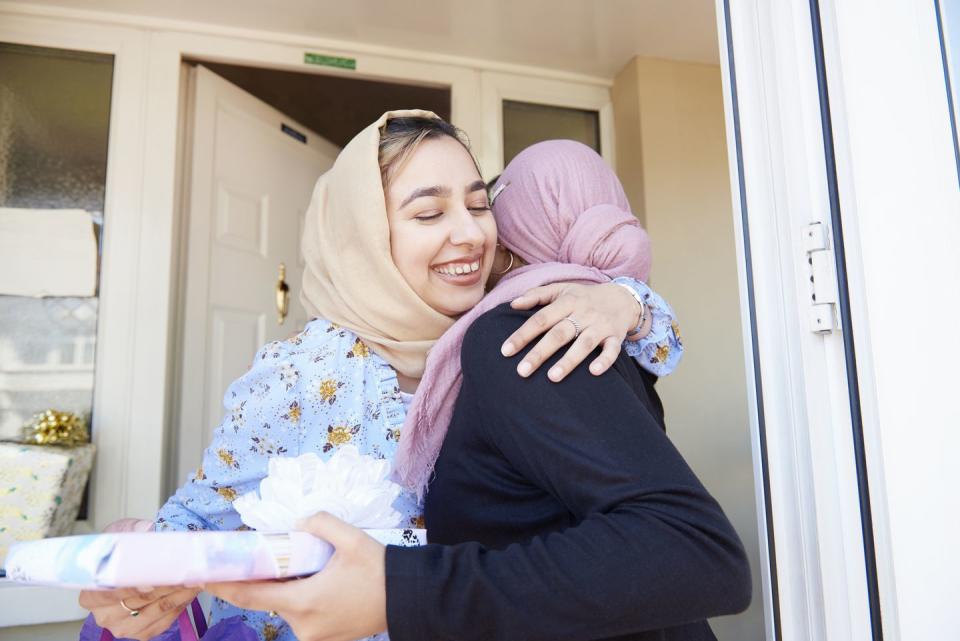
(251, 174)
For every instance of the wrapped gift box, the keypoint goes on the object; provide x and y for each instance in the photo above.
(41, 488)
(130, 559)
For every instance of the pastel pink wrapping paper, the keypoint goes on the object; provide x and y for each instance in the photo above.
(133, 559)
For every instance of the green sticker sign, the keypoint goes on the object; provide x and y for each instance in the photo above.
(330, 61)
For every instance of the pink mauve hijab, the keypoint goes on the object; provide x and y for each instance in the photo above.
(563, 211)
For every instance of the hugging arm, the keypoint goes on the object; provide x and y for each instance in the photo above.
(651, 548)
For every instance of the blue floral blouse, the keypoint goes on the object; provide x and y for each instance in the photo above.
(314, 392)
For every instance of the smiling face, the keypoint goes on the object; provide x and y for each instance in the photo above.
(442, 233)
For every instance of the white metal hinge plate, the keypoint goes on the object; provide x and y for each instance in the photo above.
(822, 273)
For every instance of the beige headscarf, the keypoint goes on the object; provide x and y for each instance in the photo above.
(350, 278)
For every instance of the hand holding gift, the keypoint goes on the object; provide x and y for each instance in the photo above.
(346, 601)
(156, 608)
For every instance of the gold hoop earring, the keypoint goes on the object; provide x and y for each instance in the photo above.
(510, 266)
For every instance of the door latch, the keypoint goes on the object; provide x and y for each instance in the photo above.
(822, 272)
(282, 295)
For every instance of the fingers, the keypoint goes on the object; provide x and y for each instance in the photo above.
(133, 597)
(287, 597)
(599, 310)
(90, 599)
(130, 525)
(156, 617)
(156, 609)
(542, 321)
(578, 352)
(557, 337)
(253, 595)
(171, 603)
(608, 355)
(539, 296)
(341, 535)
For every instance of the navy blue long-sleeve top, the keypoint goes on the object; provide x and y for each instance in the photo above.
(562, 511)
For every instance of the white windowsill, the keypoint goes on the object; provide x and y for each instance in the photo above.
(35, 605)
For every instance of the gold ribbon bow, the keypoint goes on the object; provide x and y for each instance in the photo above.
(54, 427)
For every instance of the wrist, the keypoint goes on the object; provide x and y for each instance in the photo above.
(642, 310)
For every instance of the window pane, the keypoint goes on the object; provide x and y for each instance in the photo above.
(54, 119)
(526, 123)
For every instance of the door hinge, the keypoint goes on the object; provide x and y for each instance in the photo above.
(822, 272)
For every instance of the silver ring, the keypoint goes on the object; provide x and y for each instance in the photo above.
(131, 612)
(576, 327)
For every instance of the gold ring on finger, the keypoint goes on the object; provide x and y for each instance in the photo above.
(132, 612)
(576, 327)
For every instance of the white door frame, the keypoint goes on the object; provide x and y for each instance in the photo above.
(897, 178)
(888, 172)
(803, 430)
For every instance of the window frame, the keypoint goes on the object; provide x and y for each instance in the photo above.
(589, 95)
(814, 574)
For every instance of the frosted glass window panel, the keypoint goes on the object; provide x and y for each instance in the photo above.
(527, 123)
(54, 132)
(54, 117)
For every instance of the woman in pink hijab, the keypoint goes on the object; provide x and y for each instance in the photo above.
(563, 217)
(555, 510)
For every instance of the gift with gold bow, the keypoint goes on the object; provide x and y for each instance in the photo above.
(43, 477)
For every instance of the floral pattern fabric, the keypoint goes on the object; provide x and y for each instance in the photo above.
(660, 351)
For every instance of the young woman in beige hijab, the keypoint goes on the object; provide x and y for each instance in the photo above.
(399, 241)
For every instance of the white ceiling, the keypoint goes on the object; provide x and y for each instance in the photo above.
(596, 37)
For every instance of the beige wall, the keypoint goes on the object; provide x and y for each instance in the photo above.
(625, 94)
(672, 159)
